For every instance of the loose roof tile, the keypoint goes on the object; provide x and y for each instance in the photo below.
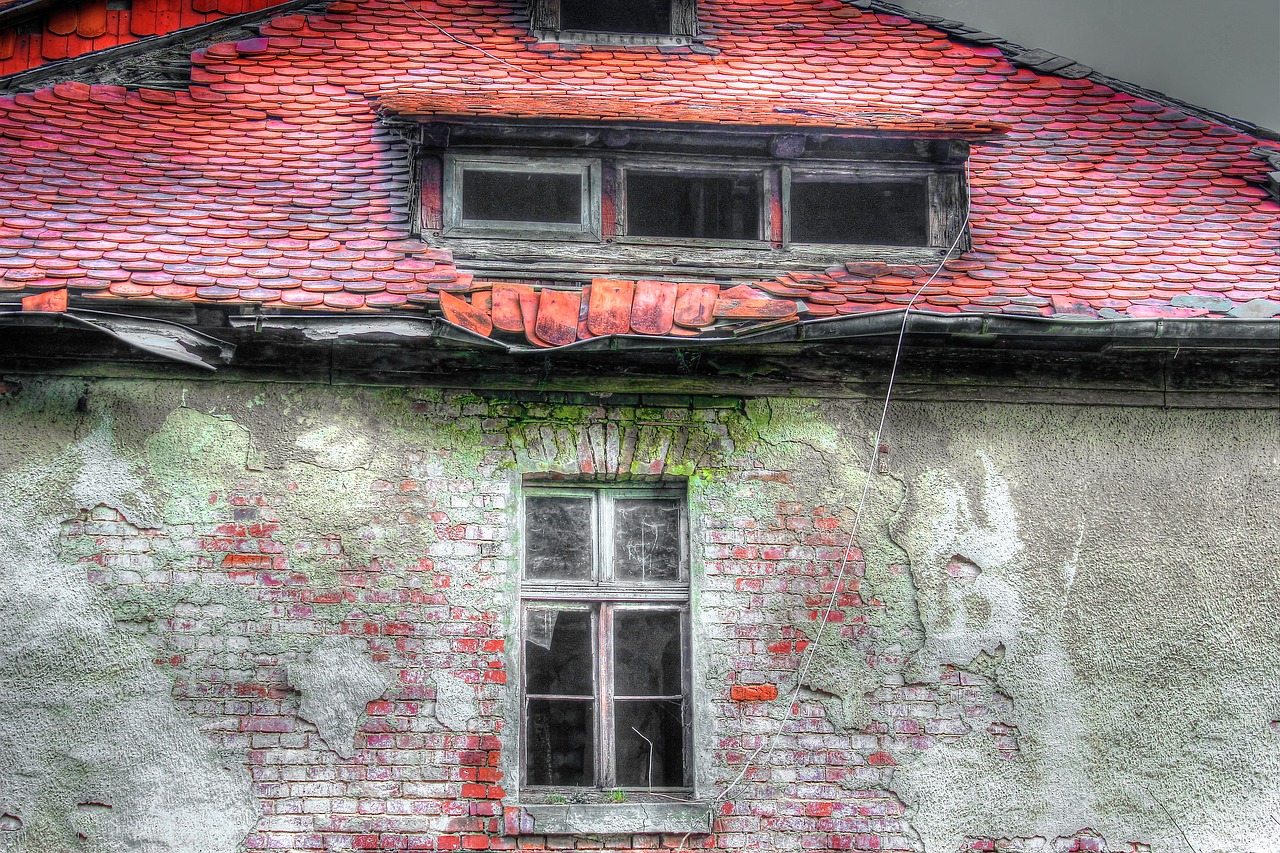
(269, 184)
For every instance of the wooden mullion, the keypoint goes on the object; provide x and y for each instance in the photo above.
(544, 14)
(784, 207)
(607, 760)
(684, 17)
(686, 685)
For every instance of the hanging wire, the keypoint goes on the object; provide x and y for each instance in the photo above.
(811, 648)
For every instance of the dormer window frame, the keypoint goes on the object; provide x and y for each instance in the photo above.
(934, 167)
(458, 224)
(547, 24)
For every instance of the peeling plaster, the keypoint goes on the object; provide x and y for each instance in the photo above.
(103, 751)
(337, 681)
(1139, 637)
(455, 706)
(841, 670)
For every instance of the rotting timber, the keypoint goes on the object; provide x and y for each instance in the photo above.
(1167, 363)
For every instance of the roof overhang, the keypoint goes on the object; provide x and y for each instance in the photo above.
(674, 114)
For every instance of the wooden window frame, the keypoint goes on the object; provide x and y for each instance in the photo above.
(455, 225)
(544, 22)
(601, 246)
(604, 596)
(943, 188)
(696, 168)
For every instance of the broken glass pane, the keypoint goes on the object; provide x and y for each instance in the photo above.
(521, 196)
(646, 540)
(557, 538)
(557, 651)
(646, 653)
(560, 746)
(650, 743)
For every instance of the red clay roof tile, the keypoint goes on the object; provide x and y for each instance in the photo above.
(272, 183)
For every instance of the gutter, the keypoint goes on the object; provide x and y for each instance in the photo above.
(184, 345)
(170, 341)
(976, 329)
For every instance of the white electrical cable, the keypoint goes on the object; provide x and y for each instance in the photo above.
(811, 648)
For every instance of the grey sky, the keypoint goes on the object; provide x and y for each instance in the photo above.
(1219, 54)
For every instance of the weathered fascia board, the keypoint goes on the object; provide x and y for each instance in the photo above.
(610, 819)
(976, 330)
(161, 338)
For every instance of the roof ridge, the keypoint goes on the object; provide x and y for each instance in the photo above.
(1047, 62)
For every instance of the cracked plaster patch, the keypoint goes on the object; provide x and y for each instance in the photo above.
(337, 680)
(119, 766)
(840, 669)
(455, 702)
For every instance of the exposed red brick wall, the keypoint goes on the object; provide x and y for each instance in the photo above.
(769, 576)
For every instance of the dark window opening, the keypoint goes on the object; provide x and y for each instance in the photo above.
(713, 207)
(498, 196)
(616, 16)
(890, 213)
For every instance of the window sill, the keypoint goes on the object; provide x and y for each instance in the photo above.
(610, 39)
(609, 819)
(550, 259)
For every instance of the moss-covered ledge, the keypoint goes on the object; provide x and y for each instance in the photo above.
(609, 818)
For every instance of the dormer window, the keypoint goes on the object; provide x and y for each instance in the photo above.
(556, 198)
(615, 21)
(573, 199)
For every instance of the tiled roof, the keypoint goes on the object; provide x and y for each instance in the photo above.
(71, 29)
(271, 183)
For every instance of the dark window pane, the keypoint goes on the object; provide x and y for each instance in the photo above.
(646, 540)
(716, 207)
(657, 761)
(560, 748)
(646, 653)
(521, 196)
(557, 538)
(616, 16)
(557, 651)
(892, 213)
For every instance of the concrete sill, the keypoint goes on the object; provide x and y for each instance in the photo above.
(609, 819)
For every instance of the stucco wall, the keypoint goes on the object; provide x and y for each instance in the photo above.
(276, 617)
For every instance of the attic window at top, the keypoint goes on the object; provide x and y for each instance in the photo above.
(615, 21)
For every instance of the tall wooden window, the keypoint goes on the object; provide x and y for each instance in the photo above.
(605, 630)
